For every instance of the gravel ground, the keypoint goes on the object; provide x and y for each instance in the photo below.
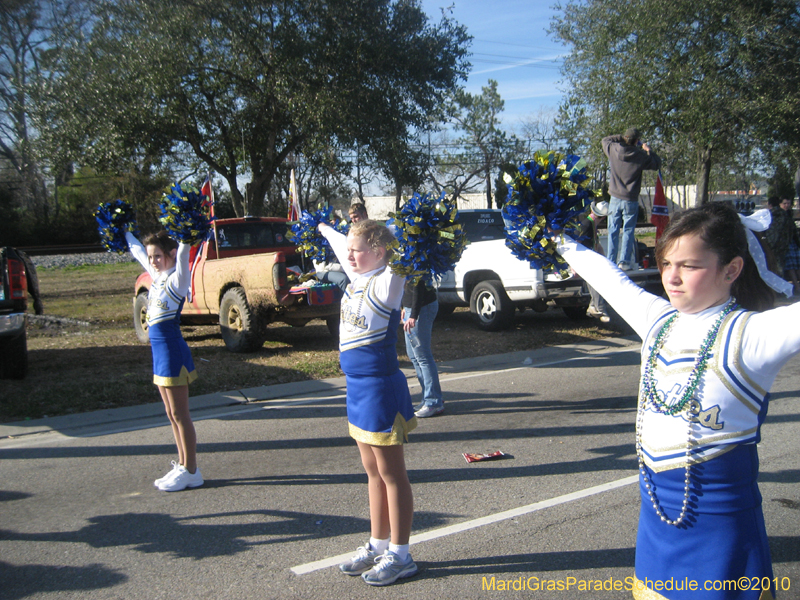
(59, 261)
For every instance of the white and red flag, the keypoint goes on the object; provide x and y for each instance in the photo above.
(659, 215)
(208, 192)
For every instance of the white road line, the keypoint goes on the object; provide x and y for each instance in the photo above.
(480, 522)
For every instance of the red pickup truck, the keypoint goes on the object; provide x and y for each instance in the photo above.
(239, 280)
(13, 314)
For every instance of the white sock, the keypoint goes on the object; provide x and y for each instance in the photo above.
(379, 546)
(400, 549)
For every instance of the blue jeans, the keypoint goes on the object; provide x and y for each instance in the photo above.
(622, 213)
(418, 348)
(337, 278)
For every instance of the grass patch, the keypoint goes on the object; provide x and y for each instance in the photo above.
(75, 368)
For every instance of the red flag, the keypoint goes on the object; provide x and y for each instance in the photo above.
(659, 216)
(209, 194)
(294, 199)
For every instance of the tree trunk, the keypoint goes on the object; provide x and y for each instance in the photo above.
(239, 206)
(703, 173)
(398, 194)
(488, 179)
(797, 182)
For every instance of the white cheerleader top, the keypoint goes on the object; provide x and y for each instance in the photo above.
(169, 288)
(732, 397)
(368, 302)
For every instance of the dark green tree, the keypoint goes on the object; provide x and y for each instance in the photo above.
(481, 146)
(681, 71)
(31, 32)
(243, 84)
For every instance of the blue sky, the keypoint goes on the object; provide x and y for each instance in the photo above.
(510, 45)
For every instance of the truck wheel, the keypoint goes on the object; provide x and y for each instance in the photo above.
(140, 318)
(491, 306)
(576, 313)
(14, 357)
(333, 326)
(237, 323)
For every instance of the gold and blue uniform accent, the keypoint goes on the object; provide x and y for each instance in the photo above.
(172, 359)
(722, 536)
(728, 408)
(379, 408)
(724, 500)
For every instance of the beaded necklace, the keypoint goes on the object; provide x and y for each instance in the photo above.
(700, 365)
(349, 325)
(649, 395)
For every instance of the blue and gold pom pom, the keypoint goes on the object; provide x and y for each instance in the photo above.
(113, 220)
(309, 241)
(547, 195)
(185, 214)
(430, 239)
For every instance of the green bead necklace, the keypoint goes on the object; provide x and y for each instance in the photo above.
(650, 394)
(700, 365)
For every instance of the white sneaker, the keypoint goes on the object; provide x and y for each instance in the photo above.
(363, 560)
(388, 569)
(623, 266)
(169, 475)
(182, 480)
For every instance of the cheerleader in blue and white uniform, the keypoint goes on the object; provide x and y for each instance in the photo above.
(379, 408)
(708, 362)
(167, 262)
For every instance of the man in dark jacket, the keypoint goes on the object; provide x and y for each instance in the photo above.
(627, 158)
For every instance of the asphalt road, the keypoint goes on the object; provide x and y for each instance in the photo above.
(285, 493)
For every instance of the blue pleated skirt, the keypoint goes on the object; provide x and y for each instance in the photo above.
(721, 540)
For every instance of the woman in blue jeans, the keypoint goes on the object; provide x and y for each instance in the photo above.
(420, 305)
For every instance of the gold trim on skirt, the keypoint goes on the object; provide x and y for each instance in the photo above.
(184, 378)
(395, 437)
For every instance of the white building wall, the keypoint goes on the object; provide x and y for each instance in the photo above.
(379, 207)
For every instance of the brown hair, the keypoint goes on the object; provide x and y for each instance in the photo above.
(375, 234)
(718, 225)
(359, 207)
(161, 240)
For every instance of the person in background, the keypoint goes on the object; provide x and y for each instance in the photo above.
(589, 224)
(780, 233)
(628, 158)
(420, 305)
(358, 212)
(791, 263)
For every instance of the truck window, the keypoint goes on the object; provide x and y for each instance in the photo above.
(250, 236)
(482, 225)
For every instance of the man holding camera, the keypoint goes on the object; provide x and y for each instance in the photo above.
(628, 157)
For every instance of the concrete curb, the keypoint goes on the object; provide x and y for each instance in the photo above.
(133, 417)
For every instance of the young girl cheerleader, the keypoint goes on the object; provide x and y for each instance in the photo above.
(379, 408)
(167, 262)
(708, 361)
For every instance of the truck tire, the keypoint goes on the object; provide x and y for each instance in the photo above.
(237, 323)
(333, 326)
(140, 318)
(14, 357)
(491, 307)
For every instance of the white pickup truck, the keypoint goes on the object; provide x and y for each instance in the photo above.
(494, 283)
